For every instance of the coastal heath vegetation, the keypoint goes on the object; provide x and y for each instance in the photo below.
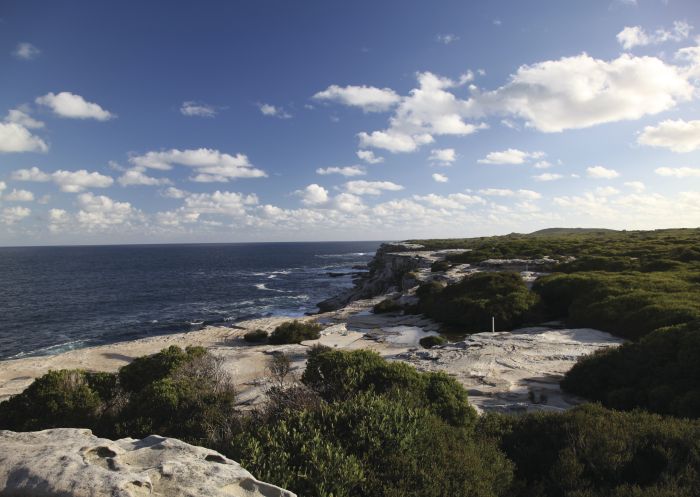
(357, 425)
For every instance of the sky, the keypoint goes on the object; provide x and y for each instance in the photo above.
(209, 121)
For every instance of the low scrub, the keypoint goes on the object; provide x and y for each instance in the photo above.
(432, 341)
(387, 305)
(255, 336)
(295, 332)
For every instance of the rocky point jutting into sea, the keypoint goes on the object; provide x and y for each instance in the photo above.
(505, 370)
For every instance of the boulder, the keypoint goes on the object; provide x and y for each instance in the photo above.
(71, 462)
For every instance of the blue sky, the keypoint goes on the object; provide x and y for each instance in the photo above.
(130, 122)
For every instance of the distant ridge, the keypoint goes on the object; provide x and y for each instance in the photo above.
(572, 231)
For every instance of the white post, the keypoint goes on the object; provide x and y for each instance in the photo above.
(493, 324)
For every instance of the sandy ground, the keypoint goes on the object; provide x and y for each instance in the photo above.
(505, 371)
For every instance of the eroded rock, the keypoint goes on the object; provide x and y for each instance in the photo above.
(70, 462)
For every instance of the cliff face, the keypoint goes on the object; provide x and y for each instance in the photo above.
(69, 462)
(386, 270)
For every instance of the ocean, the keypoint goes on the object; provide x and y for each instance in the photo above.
(54, 299)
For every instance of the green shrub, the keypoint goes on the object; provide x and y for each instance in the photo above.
(386, 305)
(432, 341)
(295, 332)
(440, 266)
(255, 336)
(473, 301)
(340, 375)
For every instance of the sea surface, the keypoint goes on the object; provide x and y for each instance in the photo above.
(54, 299)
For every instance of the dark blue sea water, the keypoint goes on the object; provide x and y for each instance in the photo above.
(57, 298)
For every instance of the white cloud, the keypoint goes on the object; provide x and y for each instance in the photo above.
(678, 172)
(581, 91)
(368, 98)
(633, 36)
(70, 105)
(637, 186)
(21, 117)
(347, 202)
(26, 51)
(31, 174)
(369, 157)
(543, 164)
(173, 192)
(505, 192)
(451, 201)
(191, 108)
(510, 156)
(393, 141)
(3, 186)
(17, 138)
(135, 177)
(606, 191)
(98, 212)
(361, 187)
(272, 111)
(210, 165)
(440, 178)
(345, 171)
(677, 135)
(443, 156)
(313, 194)
(19, 196)
(600, 172)
(547, 177)
(12, 215)
(446, 38)
(77, 181)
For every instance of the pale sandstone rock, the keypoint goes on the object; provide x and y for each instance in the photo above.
(69, 462)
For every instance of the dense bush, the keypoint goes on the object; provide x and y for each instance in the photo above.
(338, 375)
(295, 332)
(594, 452)
(387, 305)
(178, 393)
(432, 341)
(255, 336)
(661, 372)
(473, 301)
(439, 266)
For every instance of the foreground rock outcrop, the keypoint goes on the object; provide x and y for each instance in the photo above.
(68, 462)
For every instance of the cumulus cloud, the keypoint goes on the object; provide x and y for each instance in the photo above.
(19, 196)
(678, 172)
(191, 109)
(31, 174)
(606, 191)
(369, 157)
(542, 164)
(677, 135)
(21, 116)
(600, 172)
(361, 187)
(12, 215)
(78, 181)
(440, 178)
(368, 98)
(173, 192)
(70, 105)
(547, 177)
(505, 192)
(393, 141)
(209, 164)
(272, 111)
(510, 156)
(26, 51)
(313, 194)
(136, 177)
(442, 156)
(637, 186)
(98, 212)
(17, 138)
(634, 36)
(345, 171)
(446, 38)
(451, 201)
